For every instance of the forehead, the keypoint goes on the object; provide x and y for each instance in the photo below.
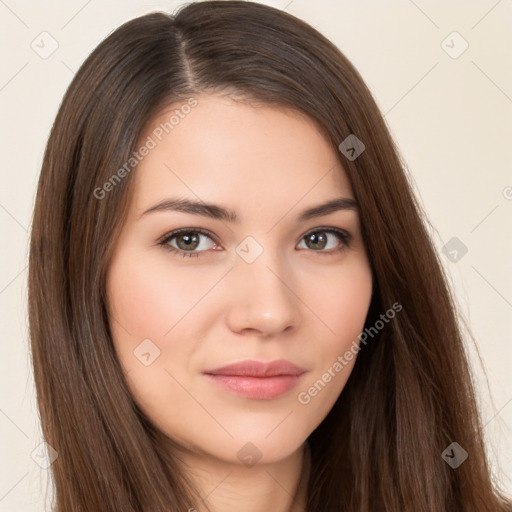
(237, 154)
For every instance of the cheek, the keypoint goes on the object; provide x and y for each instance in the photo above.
(341, 310)
(342, 303)
(136, 295)
(148, 334)
(157, 310)
(142, 310)
(146, 297)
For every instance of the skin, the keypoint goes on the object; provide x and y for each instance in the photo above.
(294, 302)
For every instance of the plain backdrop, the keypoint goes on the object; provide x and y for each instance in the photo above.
(441, 73)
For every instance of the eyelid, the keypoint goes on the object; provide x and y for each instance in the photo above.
(172, 234)
(334, 229)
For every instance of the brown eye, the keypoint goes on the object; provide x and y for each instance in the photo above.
(322, 239)
(187, 241)
(317, 241)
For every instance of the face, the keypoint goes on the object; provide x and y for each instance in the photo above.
(274, 284)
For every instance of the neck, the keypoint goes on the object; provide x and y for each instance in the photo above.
(225, 486)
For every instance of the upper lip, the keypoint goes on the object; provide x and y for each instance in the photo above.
(258, 369)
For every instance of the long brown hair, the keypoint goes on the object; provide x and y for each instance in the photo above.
(410, 395)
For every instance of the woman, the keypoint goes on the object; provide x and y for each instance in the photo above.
(223, 235)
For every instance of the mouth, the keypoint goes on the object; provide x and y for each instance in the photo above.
(257, 380)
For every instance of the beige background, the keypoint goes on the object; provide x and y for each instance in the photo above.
(450, 113)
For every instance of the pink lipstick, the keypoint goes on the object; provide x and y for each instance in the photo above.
(257, 380)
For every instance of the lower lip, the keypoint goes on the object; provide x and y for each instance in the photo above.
(259, 388)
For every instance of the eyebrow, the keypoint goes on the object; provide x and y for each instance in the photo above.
(215, 211)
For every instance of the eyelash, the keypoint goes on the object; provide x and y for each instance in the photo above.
(343, 236)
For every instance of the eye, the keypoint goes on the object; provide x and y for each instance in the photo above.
(319, 239)
(187, 240)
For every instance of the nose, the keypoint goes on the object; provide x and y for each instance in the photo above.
(264, 301)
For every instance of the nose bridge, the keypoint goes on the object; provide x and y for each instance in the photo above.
(264, 297)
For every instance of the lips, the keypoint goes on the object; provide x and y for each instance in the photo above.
(257, 380)
(258, 369)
